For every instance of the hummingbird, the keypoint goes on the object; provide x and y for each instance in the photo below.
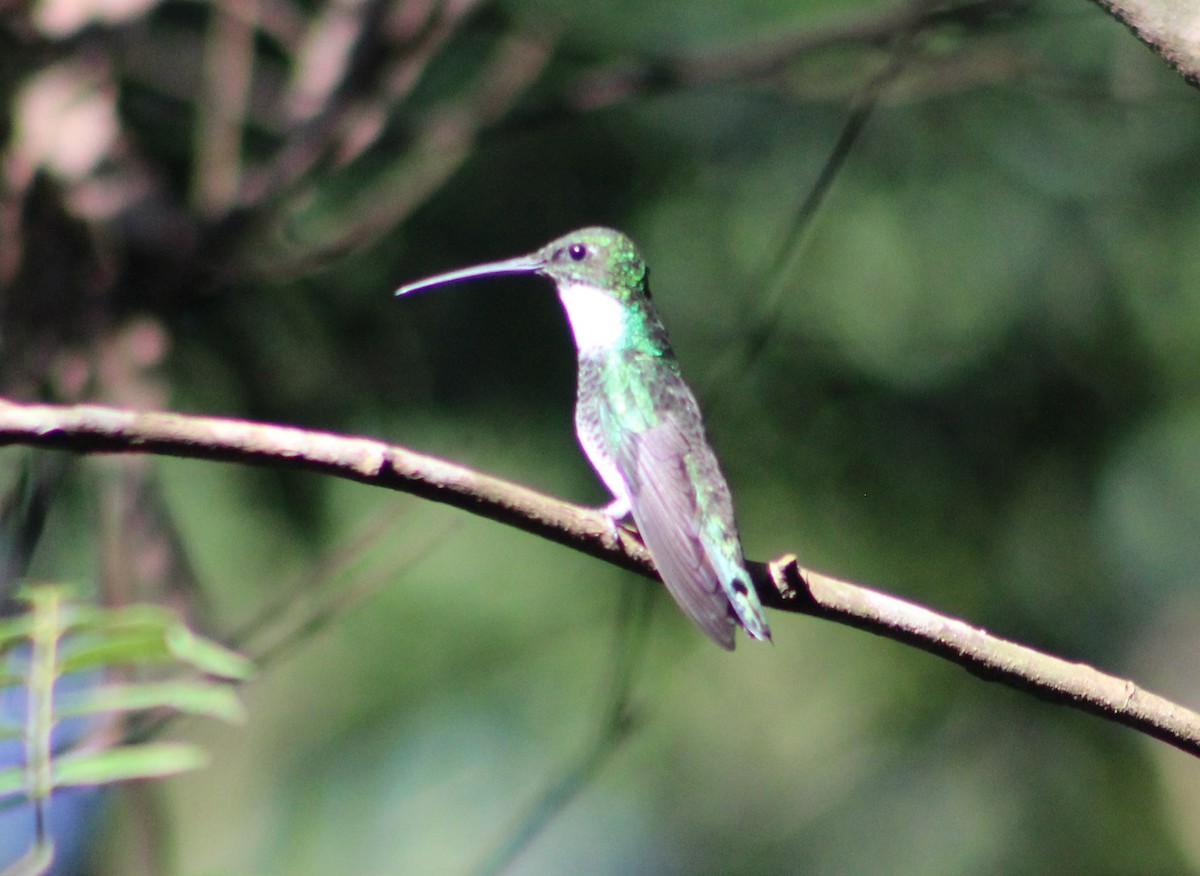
(640, 426)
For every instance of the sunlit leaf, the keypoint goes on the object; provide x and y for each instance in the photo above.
(193, 697)
(15, 629)
(12, 780)
(137, 616)
(133, 645)
(145, 761)
(10, 678)
(207, 656)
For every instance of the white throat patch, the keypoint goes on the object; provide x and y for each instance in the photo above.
(597, 320)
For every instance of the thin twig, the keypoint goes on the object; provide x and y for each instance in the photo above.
(782, 584)
(615, 726)
(766, 315)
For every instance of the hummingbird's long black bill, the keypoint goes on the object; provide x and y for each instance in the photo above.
(520, 265)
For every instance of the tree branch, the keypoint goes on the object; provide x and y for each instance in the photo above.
(782, 584)
(1168, 28)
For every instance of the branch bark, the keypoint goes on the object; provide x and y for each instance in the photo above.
(1168, 27)
(783, 583)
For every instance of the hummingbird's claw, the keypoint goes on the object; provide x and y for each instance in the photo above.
(614, 512)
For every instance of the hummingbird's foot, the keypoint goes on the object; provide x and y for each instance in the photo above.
(614, 512)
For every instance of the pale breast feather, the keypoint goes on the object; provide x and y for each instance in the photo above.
(597, 319)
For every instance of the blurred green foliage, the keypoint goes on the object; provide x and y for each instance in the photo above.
(973, 384)
(67, 683)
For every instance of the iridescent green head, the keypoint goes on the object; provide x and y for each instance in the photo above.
(599, 257)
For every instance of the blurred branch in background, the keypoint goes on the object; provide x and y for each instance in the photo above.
(617, 722)
(307, 606)
(785, 585)
(763, 320)
(1163, 26)
(223, 104)
(768, 61)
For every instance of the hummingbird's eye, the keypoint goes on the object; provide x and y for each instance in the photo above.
(578, 251)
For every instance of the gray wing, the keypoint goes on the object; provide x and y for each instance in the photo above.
(663, 498)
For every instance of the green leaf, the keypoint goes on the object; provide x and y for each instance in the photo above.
(208, 656)
(104, 648)
(8, 679)
(12, 780)
(142, 761)
(193, 697)
(145, 761)
(15, 629)
(139, 616)
(147, 633)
